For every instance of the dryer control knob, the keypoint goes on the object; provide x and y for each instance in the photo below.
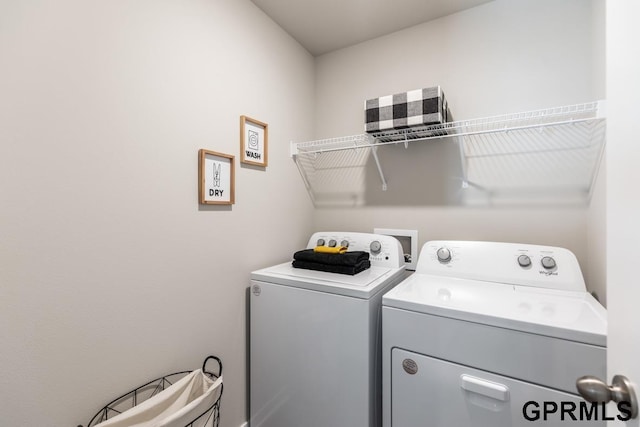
(444, 255)
(524, 261)
(332, 243)
(344, 243)
(375, 247)
(320, 242)
(548, 262)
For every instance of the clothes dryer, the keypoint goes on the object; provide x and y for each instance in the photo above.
(484, 334)
(315, 338)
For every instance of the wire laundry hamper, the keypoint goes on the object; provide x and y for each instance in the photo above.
(209, 417)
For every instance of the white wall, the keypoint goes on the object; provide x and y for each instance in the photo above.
(501, 57)
(110, 271)
(596, 269)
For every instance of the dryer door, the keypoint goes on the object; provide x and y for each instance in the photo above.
(436, 393)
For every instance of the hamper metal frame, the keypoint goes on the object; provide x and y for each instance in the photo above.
(211, 416)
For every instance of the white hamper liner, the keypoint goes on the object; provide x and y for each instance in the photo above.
(176, 406)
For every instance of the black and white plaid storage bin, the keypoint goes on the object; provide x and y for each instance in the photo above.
(402, 110)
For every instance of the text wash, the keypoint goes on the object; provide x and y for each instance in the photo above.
(253, 155)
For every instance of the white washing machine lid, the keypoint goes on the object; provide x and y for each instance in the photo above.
(361, 285)
(570, 315)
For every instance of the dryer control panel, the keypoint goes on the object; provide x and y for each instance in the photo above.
(508, 263)
(384, 251)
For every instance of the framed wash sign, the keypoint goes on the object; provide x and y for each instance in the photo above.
(254, 139)
(216, 178)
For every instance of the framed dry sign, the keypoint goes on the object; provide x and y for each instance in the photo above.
(216, 178)
(254, 138)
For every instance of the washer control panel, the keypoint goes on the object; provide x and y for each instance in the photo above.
(508, 263)
(384, 251)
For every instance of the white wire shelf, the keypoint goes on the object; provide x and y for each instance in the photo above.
(550, 154)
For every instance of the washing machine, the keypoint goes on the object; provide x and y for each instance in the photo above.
(315, 338)
(489, 334)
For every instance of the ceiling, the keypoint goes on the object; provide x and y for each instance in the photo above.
(325, 25)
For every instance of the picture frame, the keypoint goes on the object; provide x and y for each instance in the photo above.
(254, 142)
(216, 178)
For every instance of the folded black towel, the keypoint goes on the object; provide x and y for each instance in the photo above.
(349, 259)
(332, 268)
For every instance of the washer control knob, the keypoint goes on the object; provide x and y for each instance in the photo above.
(548, 262)
(375, 247)
(524, 261)
(344, 243)
(332, 243)
(320, 242)
(444, 255)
